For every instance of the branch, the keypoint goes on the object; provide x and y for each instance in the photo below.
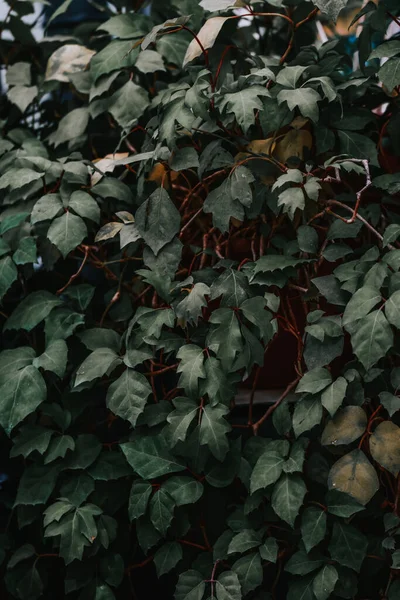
(272, 408)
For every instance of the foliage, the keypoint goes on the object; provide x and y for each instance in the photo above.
(180, 189)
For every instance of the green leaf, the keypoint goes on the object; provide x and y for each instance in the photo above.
(307, 414)
(109, 466)
(313, 527)
(232, 286)
(301, 590)
(390, 402)
(190, 586)
(191, 368)
(127, 396)
(360, 304)
(81, 295)
(20, 396)
(167, 557)
(61, 324)
(372, 339)
(305, 99)
(87, 449)
(26, 252)
(158, 220)
(314, 381)
(213, 430)
(230, 199)
(97, 364)
(301, 564)
(249, 571)
(389, 74)
(180, 419)
(17, 178)
(243, 104)
(8, 274)
(392, 309)
(138, 499)
(269, 550)
(58, 448)
(77, 529)
(128, 104)
(288, 496)
(36, 485)
(183, 490)
(228, 587)
(70, 127)
(243, 541)
(85, 206)
(324, 583)
(162, 510)
(267, 470)
(354, 475)
(54, 358)
(115, 56)
(307, 239)
(77, 488)
(150, 457)
(31, 438)
(358, 146)
(348, 546)
(63, 7)
(341, 504)
(67, 232)
(332, 398)
(190, 308)
(32, 310)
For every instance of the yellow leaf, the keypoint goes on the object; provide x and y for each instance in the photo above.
(384, 444)
(353, 474)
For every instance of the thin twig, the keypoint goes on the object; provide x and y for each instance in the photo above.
(272, 408)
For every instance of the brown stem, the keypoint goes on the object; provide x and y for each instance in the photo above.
(272, 408)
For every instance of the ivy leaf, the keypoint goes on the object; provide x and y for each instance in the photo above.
(190, 586)
(305, 99)
(167, 557)
(161, 510)
(313, 527)
(127, 396)
(67, 232)
(150, 457)
(190, 308)
(384, 444)
(227, 586)
(346, 426)
(157, 220)
(36, 485)
(8, 274)
(267, 470)
(288, 496)
(392, 309)
(307, 414)
(269, 550)
(229, 199)
(324, 583)
(372, 338)
(138, 499)
(32, 310)
(213, 430)
(232, 286)
(348, 546)
(58, 448)
(77, 530)
(180, 419)
(389, 74)
(128, 103)
(26, 252)
(226, 338)
(249, 571)
(360, 304)
(20, 396)
(191, 368)
(301, 564)
(333, 396)
(243, 104)
(243, 541)
(314, 381)
(354, 475)
(97, 364)
(54, 358)
(31, 438)
(184, 490)
(85, 206)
